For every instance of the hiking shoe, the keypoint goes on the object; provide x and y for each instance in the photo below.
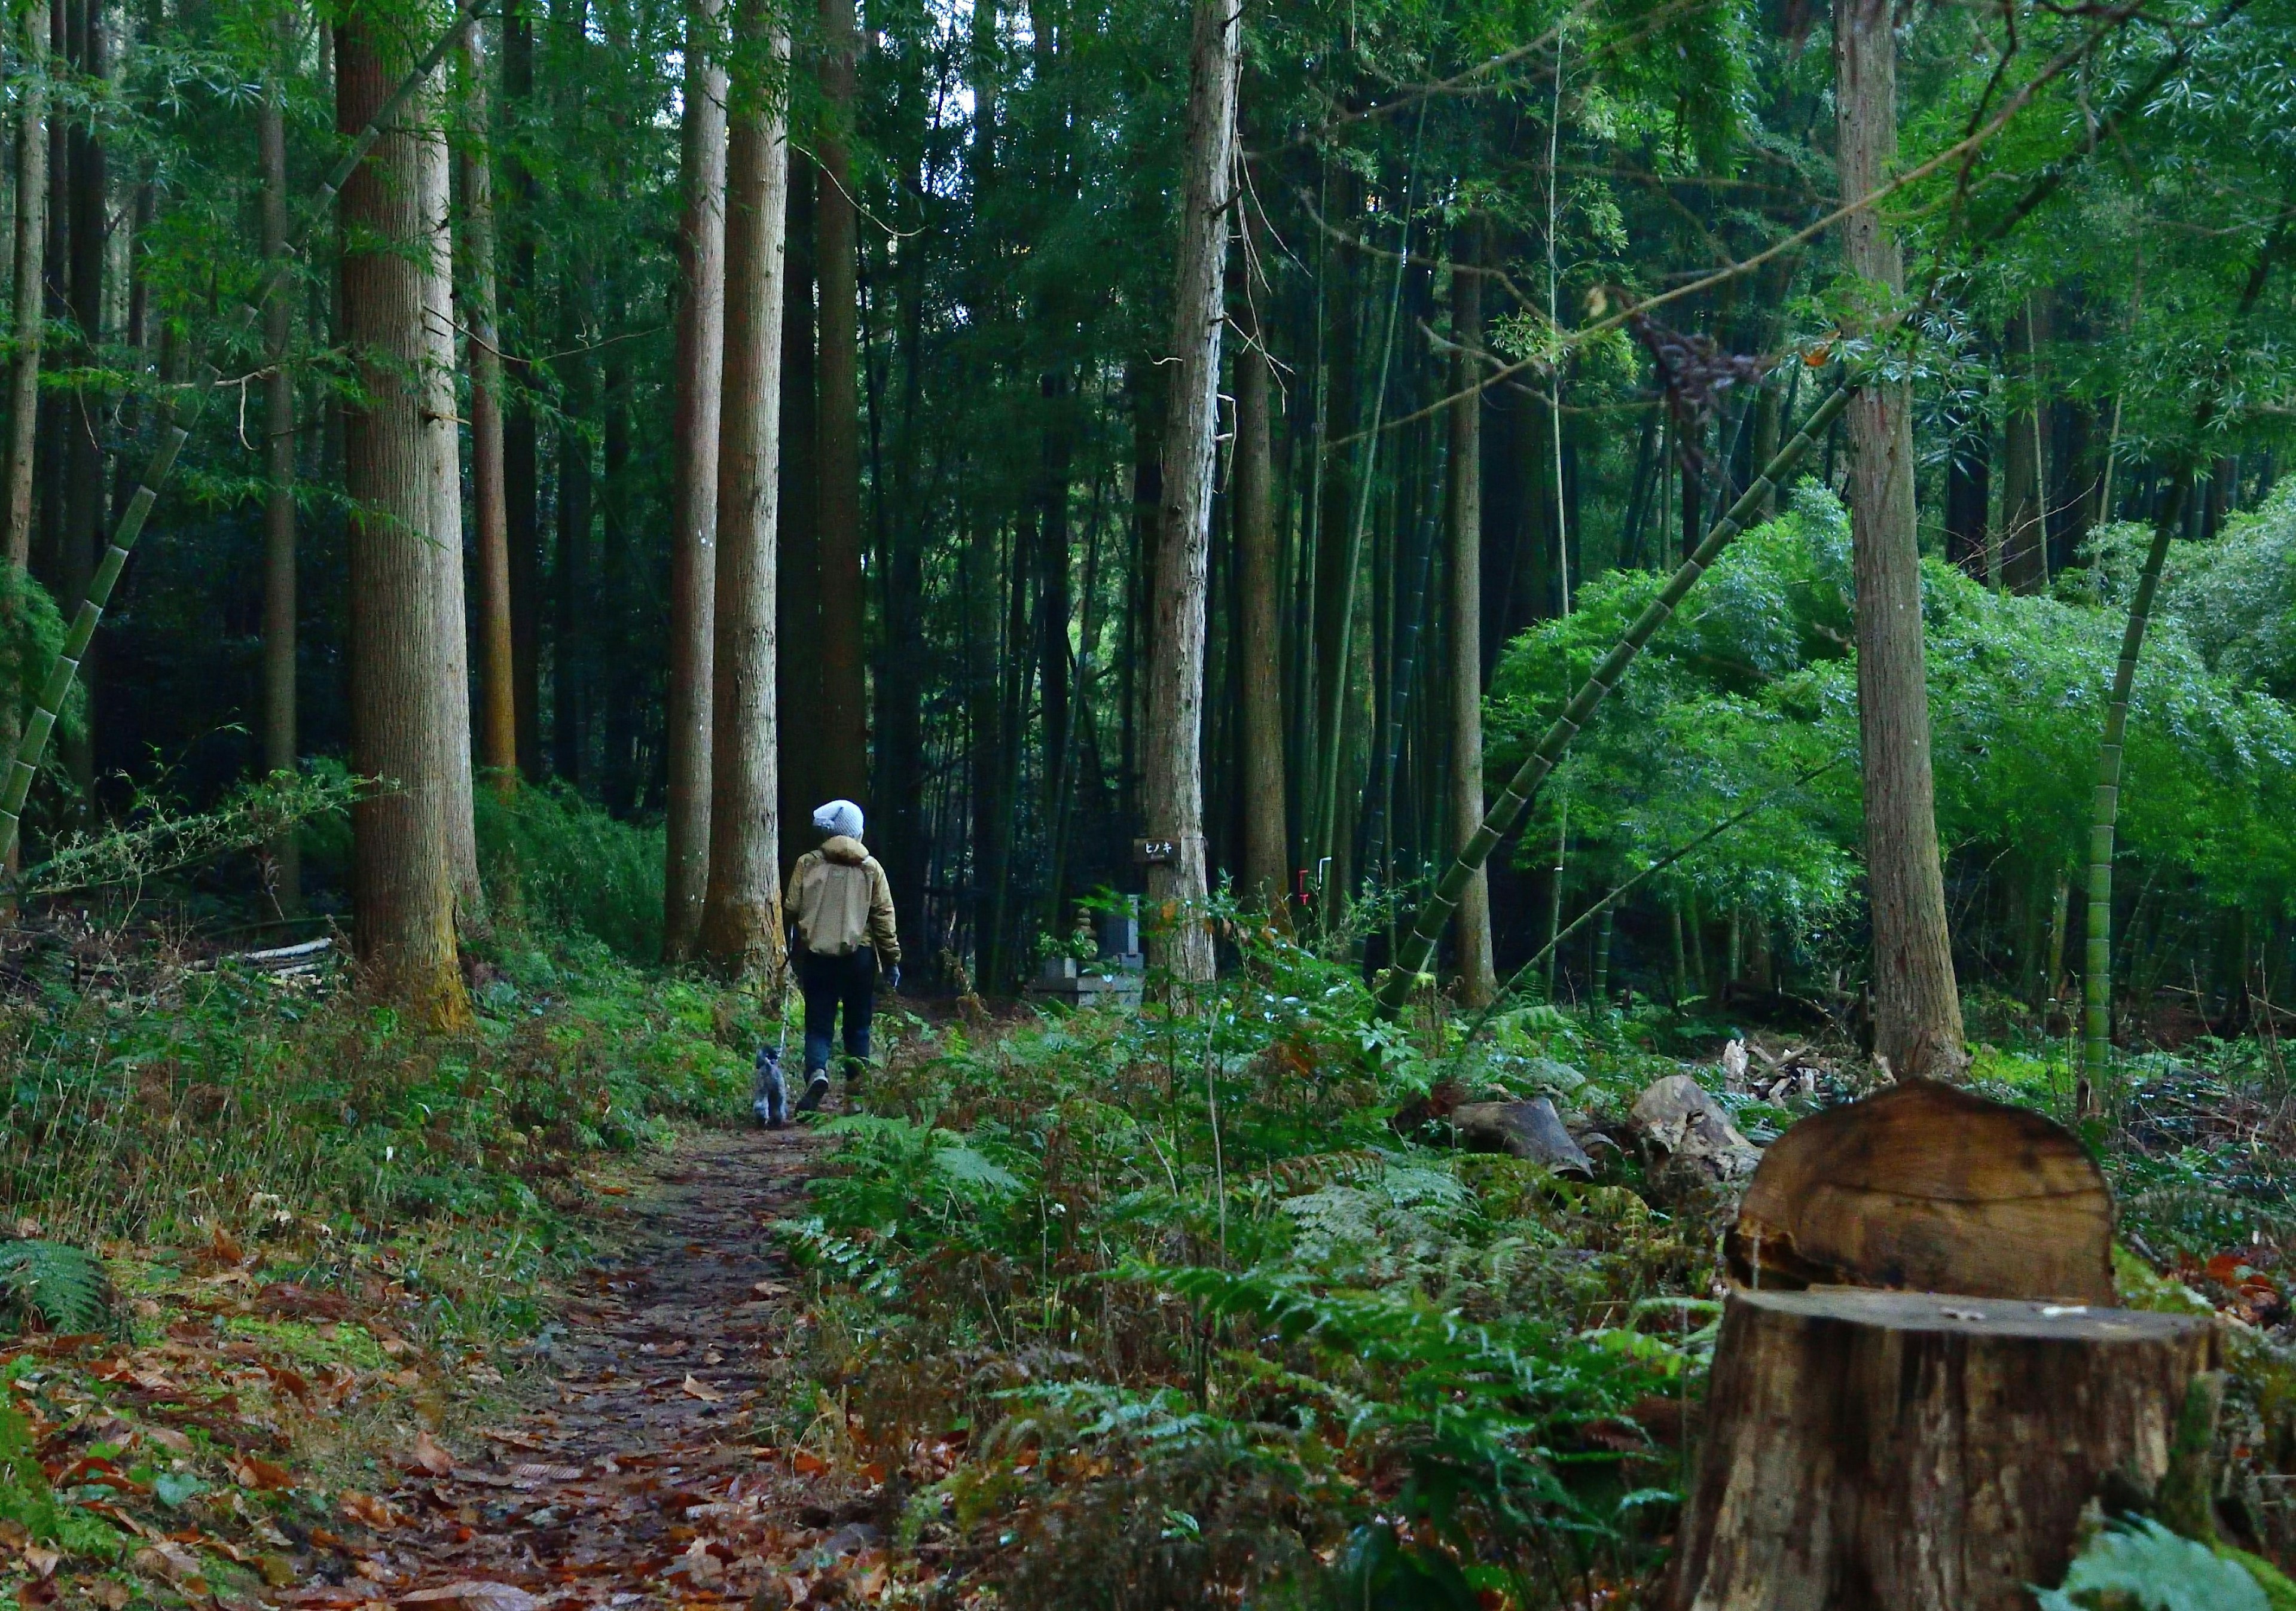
(815, 1089)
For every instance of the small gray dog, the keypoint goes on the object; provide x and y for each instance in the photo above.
(769, 1098)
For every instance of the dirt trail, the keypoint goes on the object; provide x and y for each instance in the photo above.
(638, 1478)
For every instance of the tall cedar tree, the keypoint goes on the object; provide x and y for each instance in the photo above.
(841, 765)
(700, 355)
(1259, 629)
(1477, 980)
(489, 499)
(1172, 739)
(403, 644)
(740, 918)
(279, 691)
(1916, 1011)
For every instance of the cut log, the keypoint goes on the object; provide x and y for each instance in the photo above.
(1676, 1116)
(1531, 1130)
(1889, 1452)
(1928, 1188)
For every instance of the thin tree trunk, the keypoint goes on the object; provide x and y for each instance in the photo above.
(88, 199)
(796, 680)
(1266, 857)
(1917, 1007)
(402, 642)
(1477, 974)
(843, 766)
(741, 918)
(489, 503)
(693, 492)
(573, 622)
(1055, 608)
(30, 244)
(1173, 738)
(284, 852)
(521, 466)
(900, 773)
(2023, 537)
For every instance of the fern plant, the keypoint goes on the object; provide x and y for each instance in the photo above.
(63, 1286)
(2141, 1565)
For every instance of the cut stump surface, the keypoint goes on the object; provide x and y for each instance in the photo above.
(1891, 1451)
(1929, 1189)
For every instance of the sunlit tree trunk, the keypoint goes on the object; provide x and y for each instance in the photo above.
(443, 450)
(279, 691)
(403, 643)
(1173, 738)
(740, 919)
(489, 503)
(842, 768)
(1918, 1009)
(1260, 632)
(700, 360)
(1478, 981)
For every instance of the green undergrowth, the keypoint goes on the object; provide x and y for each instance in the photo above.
(328, 1129)
(1201, 1324)
(157, 1106)
(1186, 1318)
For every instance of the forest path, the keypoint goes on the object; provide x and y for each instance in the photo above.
(636, 1477)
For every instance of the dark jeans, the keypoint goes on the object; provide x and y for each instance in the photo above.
(830, 983)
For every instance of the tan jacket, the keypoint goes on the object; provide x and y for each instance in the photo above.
(839, 900)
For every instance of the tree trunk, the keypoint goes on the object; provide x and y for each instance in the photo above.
(843, 764)
(742, 917)
(521, 469)
(88, 200)
(1969, 493)
(1265, 854)
(402, 642)
(1478, 976)
(442, 446)
(284, 852)
(2104, 810)
(572, 621)
(29, 273)
(1917, 1453)
(1172, 739)
(2023, 567)
(1055, 609)
(693, 490)
(498, 719)
(797, 681)
(899, 781)
(1918, 1009)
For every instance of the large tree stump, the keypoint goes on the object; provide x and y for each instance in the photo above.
(1932, 1189)
(1889, 1452)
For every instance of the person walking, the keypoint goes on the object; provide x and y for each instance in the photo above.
(841, 908)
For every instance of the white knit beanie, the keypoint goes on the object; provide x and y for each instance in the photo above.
(838, 817)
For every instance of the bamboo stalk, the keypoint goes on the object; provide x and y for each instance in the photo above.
(1435, 911)
(2096, 986)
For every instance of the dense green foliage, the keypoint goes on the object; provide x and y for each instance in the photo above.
(1754, 685)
